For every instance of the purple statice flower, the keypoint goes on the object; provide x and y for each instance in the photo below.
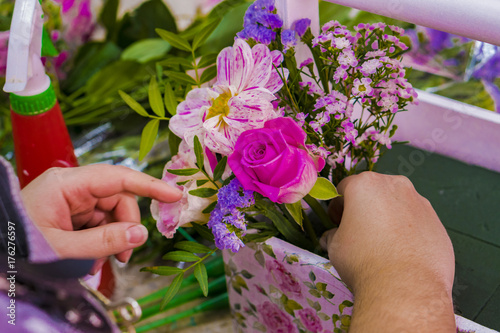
(288, 38)
(260, 21)
(300, 26)
(227, 221)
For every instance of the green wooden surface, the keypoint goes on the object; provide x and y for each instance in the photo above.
(467, 199)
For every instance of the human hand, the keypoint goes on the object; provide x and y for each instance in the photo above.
(91, 212)
(394, 253)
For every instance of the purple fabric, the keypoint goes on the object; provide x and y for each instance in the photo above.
(40, 250)
(38, 292)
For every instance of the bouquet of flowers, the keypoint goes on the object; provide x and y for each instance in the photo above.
(259, 138)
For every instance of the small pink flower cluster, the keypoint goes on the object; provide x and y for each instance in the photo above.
(364, 69)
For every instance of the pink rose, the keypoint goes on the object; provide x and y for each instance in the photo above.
(274, 161)
(310, 320)
(274, 319)
(284, 278)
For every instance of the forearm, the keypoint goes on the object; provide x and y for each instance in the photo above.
(409, 304)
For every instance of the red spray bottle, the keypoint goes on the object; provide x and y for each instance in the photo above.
(41, 139)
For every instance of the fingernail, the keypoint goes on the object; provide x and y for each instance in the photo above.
(137, 234)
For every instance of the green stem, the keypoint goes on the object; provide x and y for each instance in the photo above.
(215, 287)
(195, 65)
(319, 211)
(310, 232)
(215, 303)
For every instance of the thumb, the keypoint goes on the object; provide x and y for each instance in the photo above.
(98, 242)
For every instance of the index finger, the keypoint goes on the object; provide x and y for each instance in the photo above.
(103, 180)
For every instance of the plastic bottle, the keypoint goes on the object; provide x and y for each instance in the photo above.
(41, 139)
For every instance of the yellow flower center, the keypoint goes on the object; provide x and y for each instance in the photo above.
(219, 106)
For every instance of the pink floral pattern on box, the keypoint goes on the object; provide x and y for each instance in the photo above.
(275, 287)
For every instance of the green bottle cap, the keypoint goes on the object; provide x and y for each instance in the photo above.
(33, 105)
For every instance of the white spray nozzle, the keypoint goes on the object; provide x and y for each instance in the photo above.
(25, 72)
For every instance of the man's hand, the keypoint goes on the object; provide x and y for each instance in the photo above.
(394, 253)
(91, 212)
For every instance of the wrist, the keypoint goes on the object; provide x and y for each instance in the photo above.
(405, 300)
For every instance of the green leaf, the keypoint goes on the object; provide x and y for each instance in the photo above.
(295, 210)
(293, 305)
(148, 137)
(287, 228)
(155, 99)
(268, 249)
(207, 60)
(192, 247)
(162, 270)
(323, 189)
(323, 316)
(312, 276)
(181, 256)
(133, 104)
(259, 256)
(246, 274)
(183, 183)
(183, 172)
(205, 32)
(201, 182)
(146, 50)
(172, 290)
(203, 231)
(173, 143)
(209, 208)
(345, 304)
(175, 40)
(208, 74)
(241, 282)
(176, 61)
(108, 17)
(170, 100)
(200, 273)
(219, 169)
(328, 294)
(198, 151)
(183, 77)
(321, 286)
(203, 192)
(315, 293)
(315, 305)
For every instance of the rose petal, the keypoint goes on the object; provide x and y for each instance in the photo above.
(293, 133)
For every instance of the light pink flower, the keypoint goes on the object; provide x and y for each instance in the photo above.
(286, 282)
(362, 87)
(310, 320)
(239, 101)
(170, 216)
(276, 320)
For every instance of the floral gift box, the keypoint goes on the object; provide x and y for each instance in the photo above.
(276, 287)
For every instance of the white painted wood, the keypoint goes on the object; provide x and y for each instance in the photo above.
(473, 19)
